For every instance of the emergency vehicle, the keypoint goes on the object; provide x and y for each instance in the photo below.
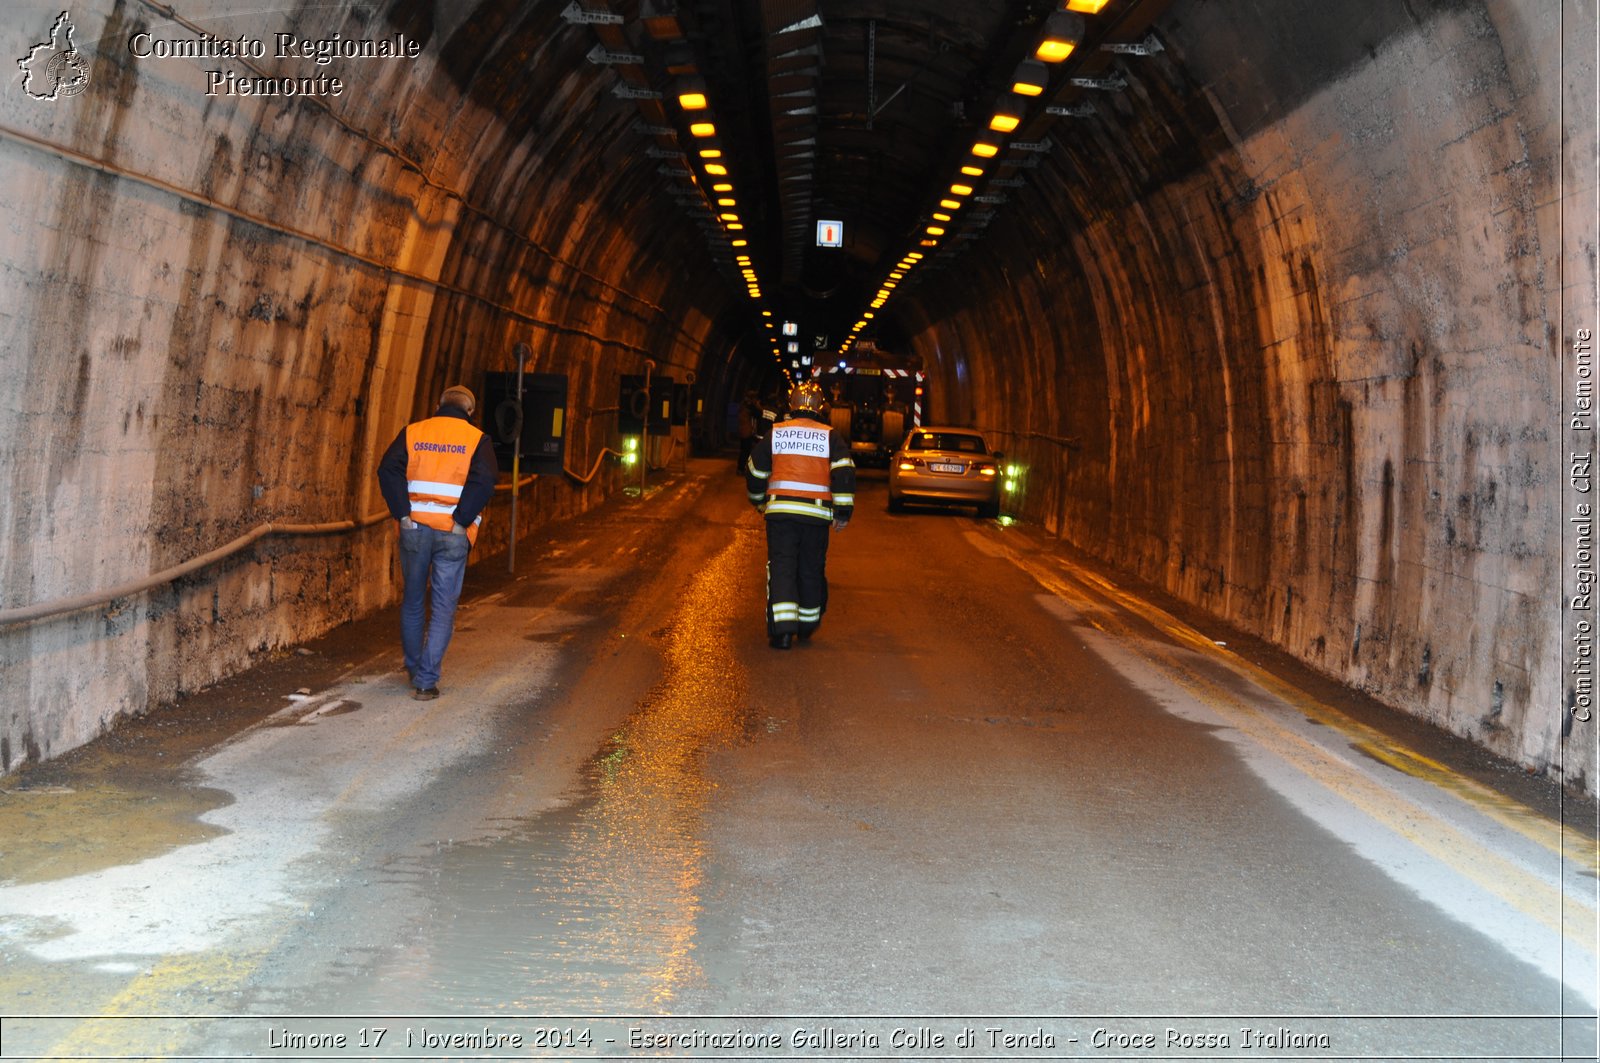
(874, 398)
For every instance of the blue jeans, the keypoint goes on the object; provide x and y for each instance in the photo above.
(427, 552)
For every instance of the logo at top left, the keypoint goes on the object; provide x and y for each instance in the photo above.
(54, 68)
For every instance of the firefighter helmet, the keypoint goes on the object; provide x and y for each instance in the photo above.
(806, 398)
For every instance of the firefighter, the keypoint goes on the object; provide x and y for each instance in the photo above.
(801, 477)
(768, 415)
(749, 418)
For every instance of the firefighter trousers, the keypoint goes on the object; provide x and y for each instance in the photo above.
(797, 583)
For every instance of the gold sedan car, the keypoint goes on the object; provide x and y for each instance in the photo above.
(945, 466)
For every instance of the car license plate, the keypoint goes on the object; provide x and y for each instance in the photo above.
(944, 466)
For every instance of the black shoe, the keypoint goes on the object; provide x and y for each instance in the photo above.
(806, 633)
(419, 694)
(781, 642)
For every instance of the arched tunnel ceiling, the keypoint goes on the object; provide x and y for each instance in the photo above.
(860, 112)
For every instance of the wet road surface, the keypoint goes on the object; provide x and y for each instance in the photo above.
(1000, 806)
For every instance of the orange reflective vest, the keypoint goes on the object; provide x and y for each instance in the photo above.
(439, 454)
(800, 462)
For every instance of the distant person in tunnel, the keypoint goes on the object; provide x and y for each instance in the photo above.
(436, 477)
(749, 419)
(802, 479)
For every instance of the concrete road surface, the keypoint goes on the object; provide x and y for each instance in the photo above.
(1002, 806)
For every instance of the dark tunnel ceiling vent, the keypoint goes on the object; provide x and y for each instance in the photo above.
(793, 35)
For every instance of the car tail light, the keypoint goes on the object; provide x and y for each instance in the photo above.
(910, 464)
(987, 470)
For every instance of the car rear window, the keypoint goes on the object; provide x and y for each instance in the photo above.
(947, 441)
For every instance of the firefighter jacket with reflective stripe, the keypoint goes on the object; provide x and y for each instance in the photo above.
(802, 469)
(440, 472)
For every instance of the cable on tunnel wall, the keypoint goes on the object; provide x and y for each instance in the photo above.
(394, 152)
(41, 610)
(666, 461)
(593, 469)
(532, 476)
(70, 155)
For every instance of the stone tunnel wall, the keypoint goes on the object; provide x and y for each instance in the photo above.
(1281, 331)
(218, 311)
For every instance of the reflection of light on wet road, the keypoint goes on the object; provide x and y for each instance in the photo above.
(592, 908)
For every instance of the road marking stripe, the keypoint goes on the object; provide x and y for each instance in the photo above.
(155, 992)
(1536, 897)
(1504, 810)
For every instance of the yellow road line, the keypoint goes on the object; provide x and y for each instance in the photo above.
(161, 990)
(1504, 810)
(1541, 900)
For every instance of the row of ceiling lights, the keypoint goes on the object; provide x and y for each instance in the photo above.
(1062, 33)
(695, 102)
(708, 170)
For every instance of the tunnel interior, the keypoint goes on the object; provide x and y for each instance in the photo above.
(1269, 300)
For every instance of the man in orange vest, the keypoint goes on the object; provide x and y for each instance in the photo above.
(802, 479)
(436, 477)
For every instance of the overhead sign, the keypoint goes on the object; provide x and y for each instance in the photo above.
(830, 234)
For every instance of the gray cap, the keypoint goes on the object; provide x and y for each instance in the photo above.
(459, 396)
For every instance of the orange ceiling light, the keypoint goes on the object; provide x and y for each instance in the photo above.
(1030, 78)
(972, 171)
(961, 189)
(1002, 122)
(1087, 7)
(985, 149)
(1062, 33)
(716, 169)
(692, 94)
(703, 129)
